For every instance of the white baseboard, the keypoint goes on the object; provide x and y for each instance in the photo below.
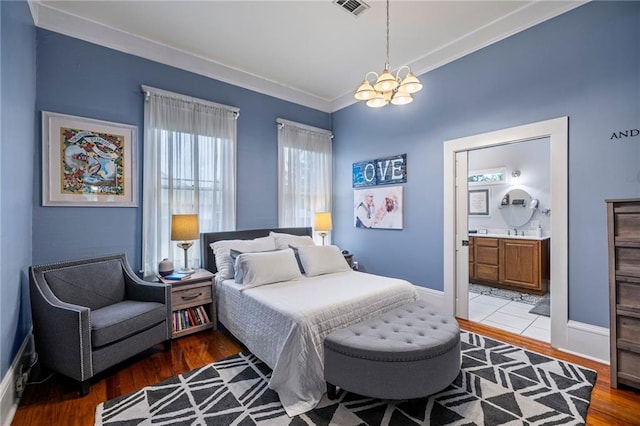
(585, 340)
(8, 398)
(588, 341)
(435, 297)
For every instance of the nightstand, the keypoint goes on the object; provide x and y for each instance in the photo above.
(193, 304)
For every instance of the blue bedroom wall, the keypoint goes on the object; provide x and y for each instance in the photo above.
(83, 79)
(584, 64)
(17, 133)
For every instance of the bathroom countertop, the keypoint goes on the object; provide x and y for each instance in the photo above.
(516, 237)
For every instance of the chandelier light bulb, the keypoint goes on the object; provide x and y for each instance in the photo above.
(385, 82)
(378, 101)
(365, 91)
(411, 84)
(401, 97)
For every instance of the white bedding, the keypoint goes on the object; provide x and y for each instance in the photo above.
(284, 324)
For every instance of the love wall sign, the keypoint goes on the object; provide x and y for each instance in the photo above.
(382, 171)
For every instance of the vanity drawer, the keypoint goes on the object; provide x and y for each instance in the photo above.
(486, 242)
(486, 272)
(486, 255)
(191, 295)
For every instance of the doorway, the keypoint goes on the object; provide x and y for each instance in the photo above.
(509, 205)
(456, 272)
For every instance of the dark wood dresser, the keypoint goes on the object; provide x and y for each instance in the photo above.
(623, 221)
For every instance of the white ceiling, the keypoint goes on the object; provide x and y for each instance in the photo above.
(306, 51)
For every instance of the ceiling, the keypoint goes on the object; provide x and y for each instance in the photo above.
(310, 52)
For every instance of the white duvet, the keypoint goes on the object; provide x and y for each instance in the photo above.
(284, 324)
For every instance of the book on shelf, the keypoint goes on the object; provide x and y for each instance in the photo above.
(189, 317)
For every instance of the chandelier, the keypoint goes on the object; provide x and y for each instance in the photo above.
(386, 87)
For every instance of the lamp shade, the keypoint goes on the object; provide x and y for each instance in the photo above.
(385, 82)
(184, 227)
(365, 91)
(323, 221)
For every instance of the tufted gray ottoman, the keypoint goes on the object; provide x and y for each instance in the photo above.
(409, 352)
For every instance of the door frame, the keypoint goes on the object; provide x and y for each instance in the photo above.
(557, 130)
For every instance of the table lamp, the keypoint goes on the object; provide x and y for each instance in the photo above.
(323, 224)
(184, 228)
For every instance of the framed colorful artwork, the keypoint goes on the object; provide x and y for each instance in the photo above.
(87, 162)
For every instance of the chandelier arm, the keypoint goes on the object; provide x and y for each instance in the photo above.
(366, 77)
(400, 69)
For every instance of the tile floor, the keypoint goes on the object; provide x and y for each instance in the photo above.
(509, 316)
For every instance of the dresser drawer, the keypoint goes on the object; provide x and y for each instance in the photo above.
(628, 327)
(628, 293)
(196, 294)
(627, 261)
(629, 366)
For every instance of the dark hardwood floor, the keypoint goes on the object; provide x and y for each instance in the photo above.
(56, 401)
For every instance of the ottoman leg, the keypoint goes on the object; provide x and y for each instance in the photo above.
(331, 391)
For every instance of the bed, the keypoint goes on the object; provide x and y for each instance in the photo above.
(285, 322)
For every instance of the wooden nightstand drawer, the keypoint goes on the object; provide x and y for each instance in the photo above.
(195, 294)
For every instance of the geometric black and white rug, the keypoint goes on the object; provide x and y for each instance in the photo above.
(499, 384)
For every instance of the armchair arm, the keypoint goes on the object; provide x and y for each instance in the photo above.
(148, 292)
(137, 289)
(62, 331)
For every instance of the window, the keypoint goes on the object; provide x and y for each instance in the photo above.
(189, 167)
(304, 173)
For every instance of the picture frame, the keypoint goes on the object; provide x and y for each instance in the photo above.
(478, 202)
(88, 162)
(378, 207)
(493, 176)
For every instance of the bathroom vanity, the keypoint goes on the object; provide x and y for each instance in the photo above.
(519, 263)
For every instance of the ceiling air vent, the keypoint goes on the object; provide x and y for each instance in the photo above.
(352, 7)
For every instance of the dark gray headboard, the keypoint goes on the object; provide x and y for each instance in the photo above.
(207, 238)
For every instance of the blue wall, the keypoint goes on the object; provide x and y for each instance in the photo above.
(80, 78)
(17, 133)
(584, 64)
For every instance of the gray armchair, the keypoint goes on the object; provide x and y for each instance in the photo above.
(91, 314)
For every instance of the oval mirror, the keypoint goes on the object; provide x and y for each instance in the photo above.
(517, 207)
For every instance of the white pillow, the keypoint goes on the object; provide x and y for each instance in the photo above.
(256, 269)
(283, 241)
(318, 260)
(222, 251)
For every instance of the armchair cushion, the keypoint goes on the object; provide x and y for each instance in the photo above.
(94, 285)
(123, 319)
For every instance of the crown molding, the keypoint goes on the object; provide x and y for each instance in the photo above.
(530, 14)
(94, 32)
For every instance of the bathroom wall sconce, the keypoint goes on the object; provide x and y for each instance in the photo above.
(515, 173)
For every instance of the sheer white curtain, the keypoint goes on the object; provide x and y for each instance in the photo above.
(189, 167)
(304, 173)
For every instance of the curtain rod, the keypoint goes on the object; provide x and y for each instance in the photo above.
(281, 122)
(148, 90)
